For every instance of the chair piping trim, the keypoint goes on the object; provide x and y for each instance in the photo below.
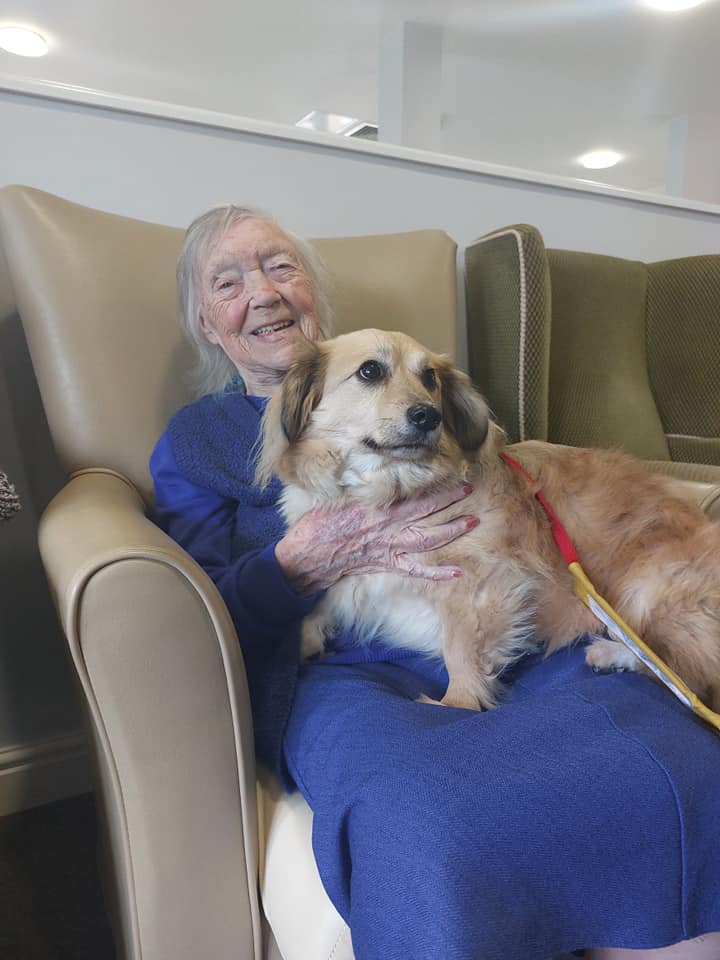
(341, 936)
(688, 436)
(523, 322)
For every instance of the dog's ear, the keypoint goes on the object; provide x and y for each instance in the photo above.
(302, 390)
(465, 411)
(289, 409)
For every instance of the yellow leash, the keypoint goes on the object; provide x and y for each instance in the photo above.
(616, 626)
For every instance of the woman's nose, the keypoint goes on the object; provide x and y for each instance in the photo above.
(260, 289)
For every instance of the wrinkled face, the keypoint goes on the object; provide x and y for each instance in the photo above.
(257, 302)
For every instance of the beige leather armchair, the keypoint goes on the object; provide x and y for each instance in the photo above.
(193, 848)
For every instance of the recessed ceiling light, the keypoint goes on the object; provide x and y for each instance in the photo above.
(25, 43)
(673, 6)
(327, 122)
(599, 159)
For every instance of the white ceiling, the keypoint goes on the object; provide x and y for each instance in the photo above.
(528, 83)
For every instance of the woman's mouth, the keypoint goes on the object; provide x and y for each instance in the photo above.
(269, 328)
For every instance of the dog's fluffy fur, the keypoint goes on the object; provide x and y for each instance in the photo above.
(336, 436)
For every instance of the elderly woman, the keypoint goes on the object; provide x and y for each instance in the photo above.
(582, 813)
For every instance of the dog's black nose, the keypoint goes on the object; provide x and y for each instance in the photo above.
(423, 417)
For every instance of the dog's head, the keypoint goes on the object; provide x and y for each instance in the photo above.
(371, 404)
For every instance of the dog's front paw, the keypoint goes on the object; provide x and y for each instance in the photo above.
(312, 641)
(609, 656)
(464, 701)
(472, 691)
(467, 703)
(423, 698)
(465, 696)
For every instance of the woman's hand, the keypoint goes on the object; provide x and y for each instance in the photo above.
(328, 544)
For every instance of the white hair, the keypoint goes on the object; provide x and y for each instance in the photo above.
(213, 370)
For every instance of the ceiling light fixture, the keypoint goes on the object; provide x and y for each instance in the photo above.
(23, 42)
(338, 124)
(673, 6)
(600, 159)
(328, 122)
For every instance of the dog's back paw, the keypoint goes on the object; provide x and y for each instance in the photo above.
(610, 656)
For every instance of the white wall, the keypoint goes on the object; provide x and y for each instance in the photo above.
(168, 171)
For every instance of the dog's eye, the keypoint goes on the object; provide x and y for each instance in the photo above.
(429, 378)
(370, 371)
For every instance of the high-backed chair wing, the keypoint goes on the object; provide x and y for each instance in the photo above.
(400, 281)
(683, 350)
(593, 350)
(93, 291)
(507, 289)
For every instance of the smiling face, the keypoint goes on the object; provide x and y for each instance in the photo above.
(257, 302)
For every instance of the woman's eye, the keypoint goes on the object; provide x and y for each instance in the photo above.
(429, 378)
(370, 371)
(282, 268)
(224, 284)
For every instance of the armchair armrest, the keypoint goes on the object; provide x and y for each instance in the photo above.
(160, 667)
(700, 481)
(709, 497)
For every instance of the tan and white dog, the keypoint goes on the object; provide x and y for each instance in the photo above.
(374, 417)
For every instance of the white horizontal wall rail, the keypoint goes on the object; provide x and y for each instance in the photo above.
(69, 93)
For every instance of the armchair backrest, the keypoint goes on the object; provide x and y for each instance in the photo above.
(600, 393)
(96, 294)
(683, 350)
(593, 350)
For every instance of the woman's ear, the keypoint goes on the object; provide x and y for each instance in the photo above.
(207, 328)
(465, 411)
(289, 409)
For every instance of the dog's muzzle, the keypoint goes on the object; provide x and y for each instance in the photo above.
(415, 438)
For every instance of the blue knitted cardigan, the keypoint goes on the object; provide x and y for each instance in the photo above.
(202, 468)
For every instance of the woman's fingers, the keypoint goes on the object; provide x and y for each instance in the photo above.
(419, 538)
(411, 566)
(419, 507)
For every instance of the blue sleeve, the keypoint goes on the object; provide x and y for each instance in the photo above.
(266, 611)
(261, 602)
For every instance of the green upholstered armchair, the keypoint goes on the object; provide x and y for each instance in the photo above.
(592, 350)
